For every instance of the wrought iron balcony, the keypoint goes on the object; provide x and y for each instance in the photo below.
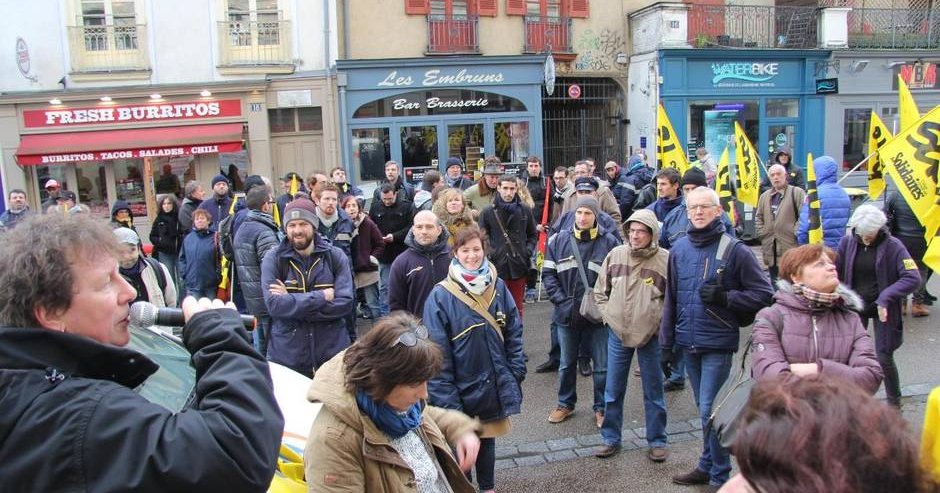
(752, 26)
(254, 43)
(547, 35)
(450, 34)
(108, 48)
(894, 28)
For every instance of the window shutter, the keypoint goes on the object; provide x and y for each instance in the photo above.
(418, 7)
(515, 7)
(486, 7)
(578, 8)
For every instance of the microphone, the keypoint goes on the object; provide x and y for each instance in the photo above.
(144, 314)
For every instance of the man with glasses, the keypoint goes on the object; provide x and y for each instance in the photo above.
(708, 293)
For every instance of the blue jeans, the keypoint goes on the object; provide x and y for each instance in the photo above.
(371, 294)
(569, 340)
(707, 372)
(678, 367)
(554, 354)
(260, 335)
(169, 260)
(384, 270)
(651, 376)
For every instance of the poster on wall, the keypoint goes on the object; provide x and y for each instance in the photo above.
(917, 76)
(719, 131)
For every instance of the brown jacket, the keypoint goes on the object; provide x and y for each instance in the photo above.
(346, 452)
(631, 287)
(780, 230)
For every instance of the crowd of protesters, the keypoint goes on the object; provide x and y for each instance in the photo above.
(635, 262)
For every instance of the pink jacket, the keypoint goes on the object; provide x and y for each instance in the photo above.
(832, 337)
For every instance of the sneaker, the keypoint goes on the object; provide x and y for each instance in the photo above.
(560, 414)
(599, 418)
(605, 451)
(584, 367)
(919, 310)
(547, 367)
(530, 296)
(696, 476)
(670, 386)
(658, 454)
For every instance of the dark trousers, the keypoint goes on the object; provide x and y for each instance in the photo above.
(485, 466)
(886, 360)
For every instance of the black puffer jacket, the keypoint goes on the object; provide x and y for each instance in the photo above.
(901, 218)
(165, 235)
(71, 420)
(255, 237)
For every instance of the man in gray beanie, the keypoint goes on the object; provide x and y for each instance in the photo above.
(308, 290)
(572, 260)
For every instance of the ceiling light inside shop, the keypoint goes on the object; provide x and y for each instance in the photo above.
(156, 96)
(105, 99)
(205, 93)
(55, 101)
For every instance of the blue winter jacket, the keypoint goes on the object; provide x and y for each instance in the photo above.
(482, 370)
(218, 209)
(629, 185)
(340, 234)
(566, 221)
(676, 225)
(307, 330)
(560, 274)
(662, 207)
(688, 321)
(255, 237)
(835, 207)
(198, 260)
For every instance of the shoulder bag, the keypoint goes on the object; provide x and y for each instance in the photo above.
(588, 314)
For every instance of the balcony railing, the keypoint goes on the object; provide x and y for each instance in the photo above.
(752, 26)
(448, 35)
(109, 48)
(894, 28)
(547, 34)
(249, 43)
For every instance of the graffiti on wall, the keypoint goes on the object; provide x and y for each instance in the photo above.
(597, 51)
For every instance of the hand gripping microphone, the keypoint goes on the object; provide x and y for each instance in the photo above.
(144, 314)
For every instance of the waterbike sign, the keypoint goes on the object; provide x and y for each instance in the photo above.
(745, 74)
(127, 154)
(189, 110)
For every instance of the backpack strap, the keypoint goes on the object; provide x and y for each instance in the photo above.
(474, 304)
(158, 268)
(723, 255)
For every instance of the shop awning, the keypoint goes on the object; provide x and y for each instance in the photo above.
(127, 144)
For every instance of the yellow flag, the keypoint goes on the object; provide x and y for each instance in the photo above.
(912, 159)
(878, 136)
(932, 257)
(907, 108)
(812, 198)
(748, 167)
(669, 151)
(294, 185)
(723, 185)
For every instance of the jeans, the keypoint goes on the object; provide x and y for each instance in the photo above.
(554, 354)
(371, 294)
(678, 367)
(169, 260)
(651, 376)
(260, 335)
(569, 340)
(485, 466)
(707, 372)
(384, 270)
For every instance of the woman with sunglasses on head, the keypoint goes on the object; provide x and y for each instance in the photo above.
(375, 431)
(477, 325)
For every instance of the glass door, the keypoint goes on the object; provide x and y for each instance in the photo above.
(465, 140)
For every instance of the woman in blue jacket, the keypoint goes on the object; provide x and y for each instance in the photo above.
(477, 325)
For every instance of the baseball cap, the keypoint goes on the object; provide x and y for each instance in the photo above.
(610, 164)
(126, 235)
(66, 195)
(51, 184)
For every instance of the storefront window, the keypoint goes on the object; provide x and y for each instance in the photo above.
(418, 146)
(439, 102)
(466, 142)
(129, 184)
(711, 124)
(288, 120)
(370, 151)
(781, 135)
(855, 137)
(169, 174)
(512, 141)
(783, 108)
(93, 188)
(45, 173)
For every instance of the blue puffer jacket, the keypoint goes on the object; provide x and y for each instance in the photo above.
(256, 235)
(630, 183)
(676, 225)
(307, 330)
(482, 371)
(560, 269)
(835, 207)
(198, 260)
(688, 321)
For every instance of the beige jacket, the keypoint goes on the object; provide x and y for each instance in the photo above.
(605, 198)
(632, 284)
(782, 228)
(346, 452)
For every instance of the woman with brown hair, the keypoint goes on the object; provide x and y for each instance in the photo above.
(451, 207)
(367, 246)
(816, 435)
(811, 328)
(375, 431)
(477, 326)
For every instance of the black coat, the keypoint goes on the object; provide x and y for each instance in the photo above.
(512, 262)
(165, 234)
(395, 220)
(536, 187)
(72, 421)
(255, 236)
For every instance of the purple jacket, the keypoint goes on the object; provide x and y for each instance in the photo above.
(415, 272)
(896, 275)
(367, 241)
(832, 337)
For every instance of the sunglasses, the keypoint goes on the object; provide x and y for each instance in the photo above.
(410, 338)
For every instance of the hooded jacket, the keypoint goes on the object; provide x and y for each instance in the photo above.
(632, 284)
(118, 206)
(795, 330)
(636, 176)
(72, 421)
(347, 452)
(795, 175)
(255, 237)
(306, 329)
(835, 207)
(415, 272)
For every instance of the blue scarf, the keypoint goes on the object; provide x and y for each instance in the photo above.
(390, 421)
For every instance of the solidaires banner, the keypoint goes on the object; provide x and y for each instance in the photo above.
(912, 160)
(669, 151)
(878, 136)
(748, 165)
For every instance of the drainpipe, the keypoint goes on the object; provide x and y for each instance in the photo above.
(346, 40)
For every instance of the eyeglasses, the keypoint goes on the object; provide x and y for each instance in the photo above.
(701, 207)
(410, 338)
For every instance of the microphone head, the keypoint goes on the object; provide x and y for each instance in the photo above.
(143, 314)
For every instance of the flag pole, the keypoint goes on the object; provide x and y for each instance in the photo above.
(857, 166)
